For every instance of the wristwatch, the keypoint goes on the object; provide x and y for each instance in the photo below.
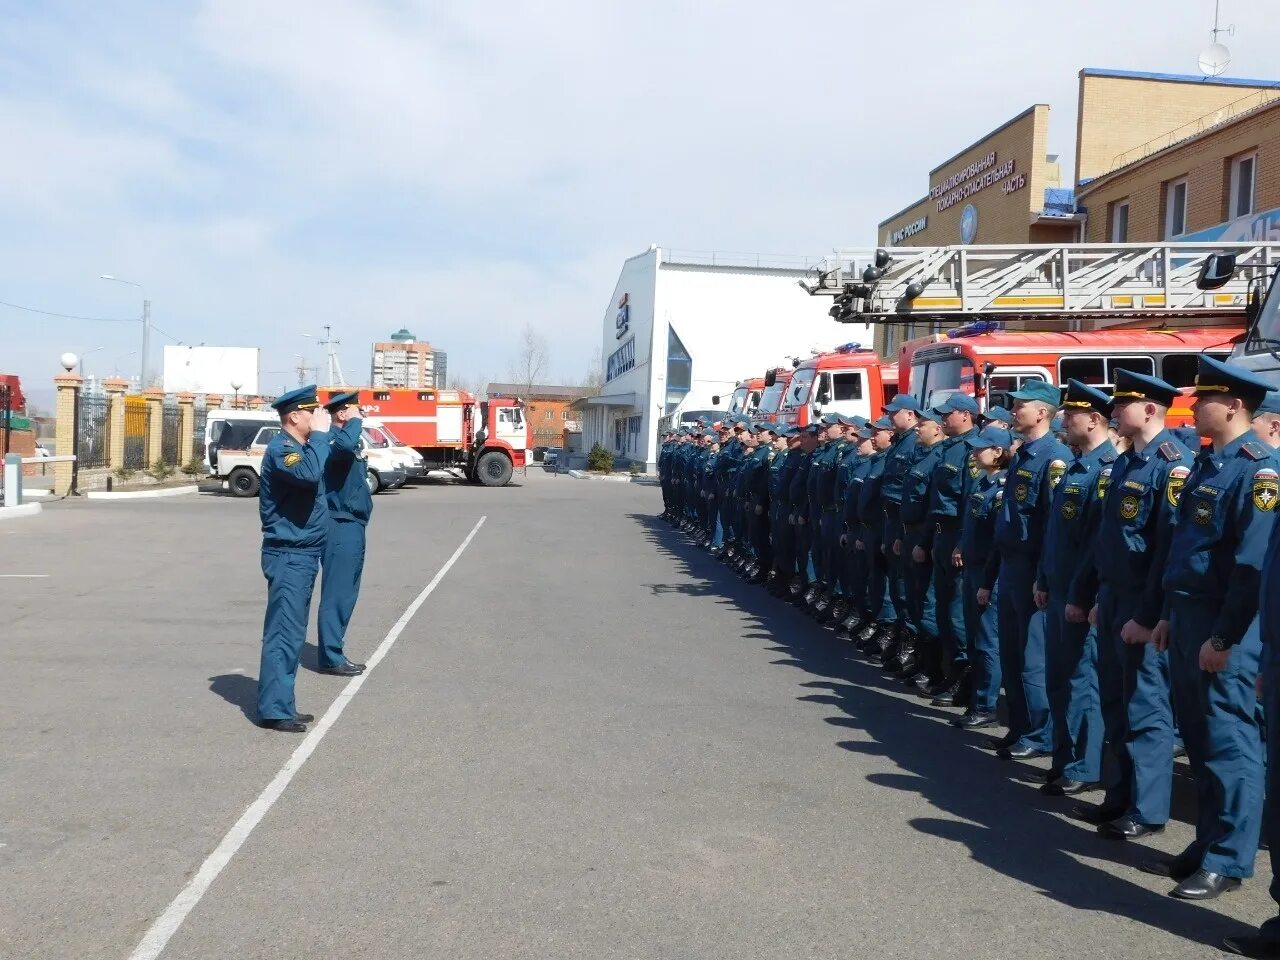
(1219, 643)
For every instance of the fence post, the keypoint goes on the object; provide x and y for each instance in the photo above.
(186, 427)
(115, 388)
(155, 424)
(212, 401)
(64, 444)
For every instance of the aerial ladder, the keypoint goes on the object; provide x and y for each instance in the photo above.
(1048, 285)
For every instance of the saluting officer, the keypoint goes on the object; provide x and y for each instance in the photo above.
(295, 523)
(1119, 584)
(350, 506)
(1071, 654)
(1038, 465)
(953, 478)
(1211, 581)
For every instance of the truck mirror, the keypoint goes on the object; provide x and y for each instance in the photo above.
(715, 400)
(1216, 270)
(1253, 302)
(770, 378)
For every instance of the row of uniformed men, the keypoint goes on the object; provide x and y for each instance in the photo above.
(1109, 580)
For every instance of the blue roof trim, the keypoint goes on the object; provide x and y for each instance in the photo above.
(1177, 77)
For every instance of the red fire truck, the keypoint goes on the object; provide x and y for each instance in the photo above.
(452, 430)
(849, 380)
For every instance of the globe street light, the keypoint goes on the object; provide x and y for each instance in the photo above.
(236, 385)
(146, 323)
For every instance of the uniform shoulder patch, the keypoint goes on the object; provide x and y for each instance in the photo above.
(1266, 489)
(1177, 480)
(1170, 452)
(1057, 468)
(292, 459)
(1254, 451)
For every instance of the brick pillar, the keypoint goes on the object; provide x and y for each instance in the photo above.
(68, 385)
(186, 427)
(116, 388)
(213, 401)
(155, 423)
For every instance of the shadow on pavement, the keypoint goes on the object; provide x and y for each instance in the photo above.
(1006, 825)
(239, 691)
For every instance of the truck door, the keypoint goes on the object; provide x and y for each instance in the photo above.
(1005, 380)
(510, 427)
(844, 391)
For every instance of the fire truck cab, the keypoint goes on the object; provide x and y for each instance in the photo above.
(849, 380)
(745, 398)
(776, 382)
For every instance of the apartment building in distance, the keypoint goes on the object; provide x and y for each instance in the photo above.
(403, 361)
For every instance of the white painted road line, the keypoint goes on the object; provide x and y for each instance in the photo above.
(168, 923)
(23, 576)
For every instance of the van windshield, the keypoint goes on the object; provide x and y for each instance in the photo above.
(376, 438)
(395, 441)
(797, 394)
(771, 399)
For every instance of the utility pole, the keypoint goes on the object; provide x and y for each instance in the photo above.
(146, 340)
(303, 370)
(335, 367)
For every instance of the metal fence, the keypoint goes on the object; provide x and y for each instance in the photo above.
(136, 419)
(93, 431)
(200, 417)
(169, 432)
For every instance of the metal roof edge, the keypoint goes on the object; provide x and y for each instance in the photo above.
(1175, 77)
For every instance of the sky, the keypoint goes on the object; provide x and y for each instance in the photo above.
(463, 169)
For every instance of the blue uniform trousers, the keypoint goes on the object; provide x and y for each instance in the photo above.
(894, 575)
(1022, 654)
(339, 587)
(782, 535)
(949, 601)
(855, 572)
(1071, 675)
(1134, 682)
(879, 604)
(919, 583)
(1271, 703)
(291, 576)
(1218, 714)
(982, 627)
(829, 550)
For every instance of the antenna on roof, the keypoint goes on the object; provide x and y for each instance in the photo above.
(1215, 57)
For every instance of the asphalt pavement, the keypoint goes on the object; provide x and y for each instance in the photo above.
(590, 740)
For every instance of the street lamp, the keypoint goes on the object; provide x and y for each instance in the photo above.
(146, 323)
(80, 362)
(236, 385)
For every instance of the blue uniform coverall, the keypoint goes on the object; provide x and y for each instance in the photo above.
(1019, 535)
(1071, 653)
(295, 524)
(953, 478)
(982, 623)
(918, 532)
(899, 458)
(1123, 579)
(872, 533)
(1212, 581)
(350, 506)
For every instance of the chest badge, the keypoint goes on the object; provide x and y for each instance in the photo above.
(1069, 510)
(1020, 492)
(1203, 514)
(1129, 507)
(973, 466)
(292, 459)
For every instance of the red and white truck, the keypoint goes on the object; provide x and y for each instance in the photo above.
(454, 431)
(850, 380)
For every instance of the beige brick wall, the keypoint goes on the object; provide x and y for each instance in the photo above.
(1204, 161)
(1120, 114)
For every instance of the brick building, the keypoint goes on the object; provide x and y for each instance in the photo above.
(547, 407)
(1215, 176)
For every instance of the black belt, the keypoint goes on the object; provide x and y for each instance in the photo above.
(947, 523)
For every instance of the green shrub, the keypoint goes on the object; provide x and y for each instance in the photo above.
(600, 459)
(125, 473)
(161, 470)
(635, 469)
(193, 467)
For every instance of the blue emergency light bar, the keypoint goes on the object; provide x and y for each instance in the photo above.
(849, 348)
(974, 329)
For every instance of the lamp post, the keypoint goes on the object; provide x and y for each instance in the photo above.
(146, 324)
(70, 362)
(235, 402)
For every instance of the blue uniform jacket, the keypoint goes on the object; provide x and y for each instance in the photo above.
(870, 504)
(344, 475)
(1035, 471)
(1074, 516)
(954, 475)
(1225, 515)
(979, 526)
(899, 459)
(291, 502)
(915, 486)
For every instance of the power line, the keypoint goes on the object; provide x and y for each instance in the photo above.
(70, 316)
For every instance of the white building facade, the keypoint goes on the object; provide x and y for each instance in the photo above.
(679, 333)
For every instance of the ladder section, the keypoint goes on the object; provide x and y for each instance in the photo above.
(1044, 282)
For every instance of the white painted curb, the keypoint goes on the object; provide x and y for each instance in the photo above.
(17, 513)
(583, 475)
(141, 494)
(38, 492)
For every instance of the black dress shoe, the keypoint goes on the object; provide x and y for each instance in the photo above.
(1204, 885)
(1127, 828)
(304, 717)
(1045, 776)
(1174, 869)
(975, 720)
(1252, 945)
(347, 669)
(284, 726)
(1021, 753)
(1099, 814)
(1066, 787)
(1001, 743)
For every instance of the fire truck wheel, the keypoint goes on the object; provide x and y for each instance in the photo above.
(493, 469)
(243, 482)
(374, 482)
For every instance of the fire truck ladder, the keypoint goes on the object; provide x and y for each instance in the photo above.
(1065, 282)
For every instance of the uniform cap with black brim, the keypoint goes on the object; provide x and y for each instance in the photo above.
(1139, 386)
(341, 400)
(300, 398)
(1216, 377)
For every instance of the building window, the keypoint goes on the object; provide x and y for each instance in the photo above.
(679, 370)
(1240, 199)
(1120, 221)
(1175, 209)
(564, 415)
(549, 415)
(621, 360)
(382, 395)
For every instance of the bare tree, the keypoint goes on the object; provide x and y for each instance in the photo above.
(530, 362)
(593, 382)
